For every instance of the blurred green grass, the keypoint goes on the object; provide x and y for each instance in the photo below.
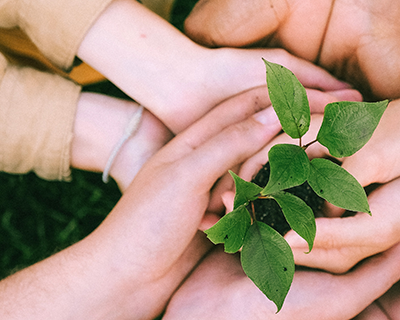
(39, 218)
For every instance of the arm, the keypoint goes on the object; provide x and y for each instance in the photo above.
(130, 265)
(147, 58)
(99, 123)
(168, 73)
(48, 125)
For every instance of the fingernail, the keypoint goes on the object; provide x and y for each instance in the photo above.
(267, 116)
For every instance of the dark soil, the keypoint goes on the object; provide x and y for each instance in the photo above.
(268, 210)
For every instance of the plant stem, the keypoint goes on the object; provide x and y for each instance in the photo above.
(309, 144)
(253, 212)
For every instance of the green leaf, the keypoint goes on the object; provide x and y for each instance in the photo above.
(347, 126)
(289, 99)
(268, 261)
(245, 191)
(337, 186)
(298, 214)
(290, 167)
(230, 229)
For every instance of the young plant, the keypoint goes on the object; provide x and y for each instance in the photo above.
(266, 257)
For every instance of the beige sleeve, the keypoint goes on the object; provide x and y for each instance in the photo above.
(56, 27)
(37, 112)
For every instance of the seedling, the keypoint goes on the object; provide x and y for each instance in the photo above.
(266, 257)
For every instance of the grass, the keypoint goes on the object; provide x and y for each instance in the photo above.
(39, 218)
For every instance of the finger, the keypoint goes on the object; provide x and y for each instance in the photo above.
(319, 99)
(372, 312)
(255, 163)
(374, 276)
(231, 111)
(378, 160)
(231, 147)
(310, 75)
(355, 290)
(342, 242)
(211, 218)
(339, 243)
(332, 211)
(208, 221)
(347, 95)
(224, 184)
(234, 22)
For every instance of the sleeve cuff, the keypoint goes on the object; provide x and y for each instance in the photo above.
(37, 112)
(58, 27)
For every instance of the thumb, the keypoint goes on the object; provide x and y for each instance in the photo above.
(234, 23)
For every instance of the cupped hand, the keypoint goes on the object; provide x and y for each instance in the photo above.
(342, 242)
(218, 289)
(379, 160)
(387, 307)
(151, 237)
(357, 41)
(317, 101)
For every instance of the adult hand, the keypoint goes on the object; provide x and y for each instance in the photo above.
(356, 41)
(219, 289)
(100, 122)
(176, 79)
(221, 192)
(384, 308)
(342, 242)
(131, 264)
(379, 160)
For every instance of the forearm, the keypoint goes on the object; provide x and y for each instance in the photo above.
(73, 284)
(176, 79)
(141, 53)
(94, 279)
(100, 123)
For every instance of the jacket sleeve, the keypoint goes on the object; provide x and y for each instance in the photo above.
(37, 112)
(56, 27)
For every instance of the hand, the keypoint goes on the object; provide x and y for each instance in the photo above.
(384, 308)
(131, 264)
(99, 124)
(342, 242)
(222, 195)
(176, 79)
(379, 160)
(219, 289)
(356, 41)
(376, 162)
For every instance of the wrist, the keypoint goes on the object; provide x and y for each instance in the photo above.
(99, 125)
(133, 47)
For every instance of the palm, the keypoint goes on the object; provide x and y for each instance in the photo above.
(360, 45)
(219, 289)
